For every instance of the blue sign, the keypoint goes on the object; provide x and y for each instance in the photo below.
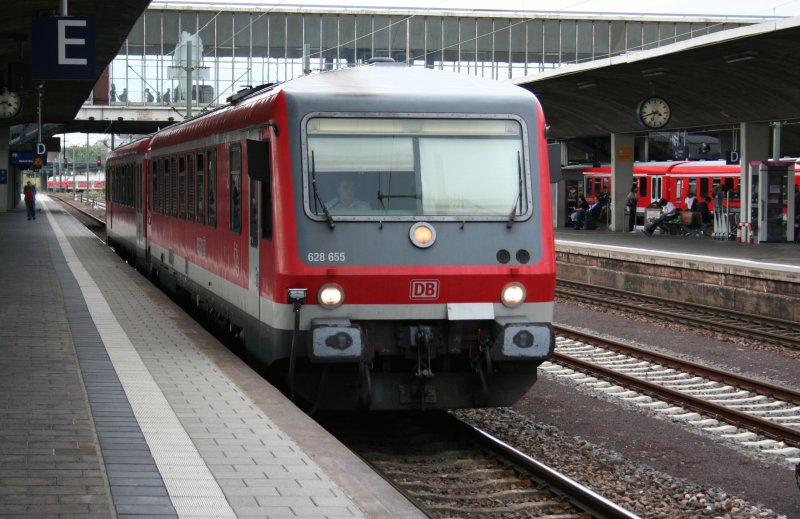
(3, 176)
(22, 158)
(63, 48)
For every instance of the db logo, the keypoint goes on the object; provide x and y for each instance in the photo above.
(424, 289)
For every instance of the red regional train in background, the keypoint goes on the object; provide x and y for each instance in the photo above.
(670, 180)
(378, 237)
(76, 183)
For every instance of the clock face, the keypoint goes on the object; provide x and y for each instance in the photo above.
(9, 104)
(654, 112)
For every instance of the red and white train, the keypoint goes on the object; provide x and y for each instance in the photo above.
(76, 183)
(432, 289)
(672, 181)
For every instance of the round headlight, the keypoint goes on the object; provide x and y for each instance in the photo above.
(513, 295)
(330, 296)
(422, 234)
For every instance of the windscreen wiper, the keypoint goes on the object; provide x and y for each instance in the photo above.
(328, 216)
(513, 212)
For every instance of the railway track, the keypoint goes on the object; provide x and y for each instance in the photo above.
(757, 414)
(451, 469)
(761, 328)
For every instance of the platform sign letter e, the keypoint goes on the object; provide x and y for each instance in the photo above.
(63, 48)
(424, 289)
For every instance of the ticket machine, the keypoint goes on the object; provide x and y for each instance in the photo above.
(773, 203)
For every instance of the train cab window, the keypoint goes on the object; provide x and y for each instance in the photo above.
(235, 186)
(379, 168)
(200, 187)
(212, 188)
(181, 187)
(190, 201)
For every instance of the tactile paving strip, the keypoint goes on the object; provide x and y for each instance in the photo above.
(192, 489)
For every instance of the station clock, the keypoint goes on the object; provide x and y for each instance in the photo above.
(10, 103)
(654, 113)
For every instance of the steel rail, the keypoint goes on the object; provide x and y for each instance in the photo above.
(785, 333)
(755, 386)
(768, 428)
(579, 495)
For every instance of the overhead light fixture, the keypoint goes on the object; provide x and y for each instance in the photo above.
(652, 72)
(742, 56)
(587, 84)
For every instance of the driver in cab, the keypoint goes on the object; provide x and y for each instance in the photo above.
(346, 199)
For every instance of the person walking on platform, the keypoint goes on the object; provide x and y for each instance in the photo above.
(29, 193)
(632, 202)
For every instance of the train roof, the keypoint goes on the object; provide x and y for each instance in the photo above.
(399, 79)
(389, 87)
(401, 88)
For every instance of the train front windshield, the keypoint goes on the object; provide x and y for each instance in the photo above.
(403, 167)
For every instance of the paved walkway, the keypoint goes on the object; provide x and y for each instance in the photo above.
(117, 404)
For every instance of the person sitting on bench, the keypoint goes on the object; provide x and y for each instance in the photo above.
(668, 212)
(589, 218)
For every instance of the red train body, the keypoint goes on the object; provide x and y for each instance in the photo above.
(436, 292)
(671, 180)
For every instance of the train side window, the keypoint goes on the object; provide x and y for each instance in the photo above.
(266, 210)
(704, 191)
(641, 183)
(253, 211)
(190, 201)
(154, 186)
(235, 186)
(212, 188)
(166, 202)
(201, 193)
(182, 187)
(174, 180)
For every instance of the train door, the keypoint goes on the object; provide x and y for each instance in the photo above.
(656, 185)
(257, 169)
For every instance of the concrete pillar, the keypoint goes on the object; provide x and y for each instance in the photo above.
(621, 177)
(6, 188)
(755, 147)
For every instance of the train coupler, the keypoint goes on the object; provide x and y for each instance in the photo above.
(422, 339)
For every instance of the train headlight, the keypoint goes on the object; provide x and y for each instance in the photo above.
(422, 234)
(513, 295)
(330, 296)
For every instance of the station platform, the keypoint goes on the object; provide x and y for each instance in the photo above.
(115, 403)
(768, 256)
(758, 278)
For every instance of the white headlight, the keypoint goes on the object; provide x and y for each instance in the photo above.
(330, 296)
(513, 295)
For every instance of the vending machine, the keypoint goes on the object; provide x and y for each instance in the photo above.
(773, 183)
